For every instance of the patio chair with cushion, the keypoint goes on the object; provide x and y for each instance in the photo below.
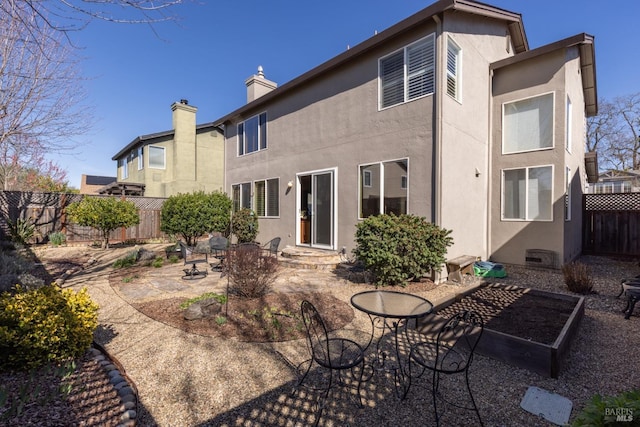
(451, 353)
(330, 354)
(190, 256)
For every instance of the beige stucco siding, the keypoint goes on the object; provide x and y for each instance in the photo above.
(575, 158)
(510, 239)
(334, 122)
(465, 131)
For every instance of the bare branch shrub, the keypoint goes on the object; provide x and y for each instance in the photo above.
(251, 272)
(577, 277)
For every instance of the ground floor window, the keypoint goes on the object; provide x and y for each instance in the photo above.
(383, 188)
(527, 194)
(266, 197)
(241, 196)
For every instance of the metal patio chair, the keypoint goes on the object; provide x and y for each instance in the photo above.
(191, 257)
(331, 354)
(219, 246)
(272, 246)
(451, 353)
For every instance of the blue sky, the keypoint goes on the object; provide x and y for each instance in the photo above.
(135, 74)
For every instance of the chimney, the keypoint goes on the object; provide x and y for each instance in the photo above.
(184, 116)
(257, 85)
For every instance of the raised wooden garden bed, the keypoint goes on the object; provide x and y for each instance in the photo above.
(528, 328)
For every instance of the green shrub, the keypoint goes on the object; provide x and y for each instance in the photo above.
(21, 230)
(173, 259)
(623, 409)
(194, 214)
(399, 248)
(577, 277)
(128, 260)
(244, 225)
(104, 214)
(57, 238)
(157, 263)
(45, 325)
(222, 299)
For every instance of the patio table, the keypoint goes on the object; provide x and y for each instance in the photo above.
(392, 311)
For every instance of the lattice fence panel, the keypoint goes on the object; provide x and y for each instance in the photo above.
(612, 202)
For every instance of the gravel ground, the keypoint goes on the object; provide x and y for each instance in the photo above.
(190, 380)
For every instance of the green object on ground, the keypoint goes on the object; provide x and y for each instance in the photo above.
(489, 269)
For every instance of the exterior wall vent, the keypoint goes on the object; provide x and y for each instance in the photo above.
(541, 258)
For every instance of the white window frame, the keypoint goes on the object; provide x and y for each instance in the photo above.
(526, 195)
(454, 51)
(261, 132)
(140, 158)
(569, 124)
(267, 213)
(381, 166)
(408, 74)
(242, 187)
(152, 148)
(124, 167)
(504, 124)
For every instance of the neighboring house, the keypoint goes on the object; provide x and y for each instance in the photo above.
(616, 182)
(91, 184)
(185, 159)
(447, 115)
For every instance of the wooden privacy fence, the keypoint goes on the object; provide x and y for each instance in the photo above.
(47, 211)
(611, 224)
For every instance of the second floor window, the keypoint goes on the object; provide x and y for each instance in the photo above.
(140, 158)
(528, 124)
(156, 157)
(124, 168)
(252, 134)
(408, 73)
(453, 70)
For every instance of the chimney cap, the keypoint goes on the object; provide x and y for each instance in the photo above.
(260, 71)
(184, 101)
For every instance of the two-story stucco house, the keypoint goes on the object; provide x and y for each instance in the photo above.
(448, 115)
(185, 159)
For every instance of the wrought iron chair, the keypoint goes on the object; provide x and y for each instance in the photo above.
(191, 257)
(451, 353)
(631, 290)
(272, 246)
(332, 354)
(219, 246)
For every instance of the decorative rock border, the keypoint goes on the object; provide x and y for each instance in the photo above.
(121, 382)
(123, 385)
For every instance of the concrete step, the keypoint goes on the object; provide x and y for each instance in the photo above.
(308, 258)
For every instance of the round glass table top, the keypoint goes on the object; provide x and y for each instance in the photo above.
(391, 304)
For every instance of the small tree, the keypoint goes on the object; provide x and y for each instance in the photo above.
(105, 214)
(398, 248)
(245, 225)
(193, 214)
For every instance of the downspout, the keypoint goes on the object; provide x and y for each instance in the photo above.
(489, 174)
(224, 158)
(437, 140)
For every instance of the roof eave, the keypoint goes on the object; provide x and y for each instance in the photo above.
(585, 43)
(516, 31)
